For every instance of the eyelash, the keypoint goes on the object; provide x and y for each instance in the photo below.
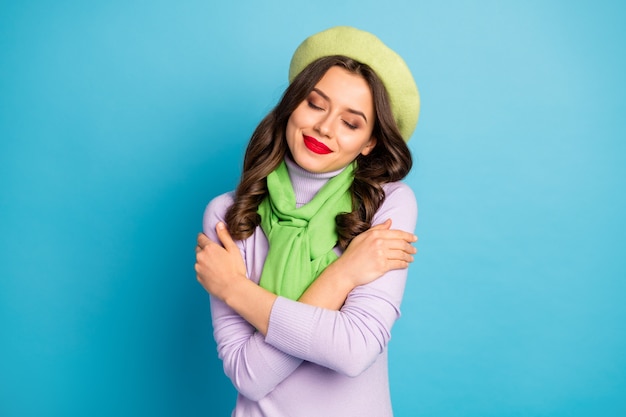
(314, 107)
(348, 125)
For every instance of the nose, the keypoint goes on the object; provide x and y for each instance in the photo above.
(324, 126)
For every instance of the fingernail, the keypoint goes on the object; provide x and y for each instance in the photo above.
(220, 225)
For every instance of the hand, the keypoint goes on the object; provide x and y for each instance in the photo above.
(218, 267)
(376, 251)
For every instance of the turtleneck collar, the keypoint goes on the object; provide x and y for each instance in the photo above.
(306, 184)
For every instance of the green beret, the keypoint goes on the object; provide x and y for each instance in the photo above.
(367, 49)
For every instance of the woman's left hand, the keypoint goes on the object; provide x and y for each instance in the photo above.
(218, 267)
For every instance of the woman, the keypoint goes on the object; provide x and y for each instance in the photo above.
(305, 272)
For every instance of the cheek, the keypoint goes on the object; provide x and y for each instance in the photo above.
(290, 132)
(292, 122)
(298, 118)
(359, 147)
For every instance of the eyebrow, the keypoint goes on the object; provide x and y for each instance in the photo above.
(357, 112)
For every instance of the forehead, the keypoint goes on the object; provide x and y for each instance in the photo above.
(345, 88)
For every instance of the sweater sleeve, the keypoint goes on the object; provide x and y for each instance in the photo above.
(254, 366)
(350, 340)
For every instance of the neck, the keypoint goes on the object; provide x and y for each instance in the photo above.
(306, 184)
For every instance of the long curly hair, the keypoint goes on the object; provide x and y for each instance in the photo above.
(389, 161)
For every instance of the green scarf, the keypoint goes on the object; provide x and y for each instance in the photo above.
(301, 240)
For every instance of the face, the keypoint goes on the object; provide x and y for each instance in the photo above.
(334, 124)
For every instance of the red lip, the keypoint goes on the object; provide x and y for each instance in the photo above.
(316, 146)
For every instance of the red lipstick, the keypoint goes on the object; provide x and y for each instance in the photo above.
(315, 146)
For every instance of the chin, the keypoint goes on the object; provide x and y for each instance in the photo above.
(307, 162)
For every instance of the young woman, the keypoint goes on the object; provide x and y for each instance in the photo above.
(306, 262)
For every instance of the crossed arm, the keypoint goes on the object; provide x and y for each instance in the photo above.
(221, 271)
(357, 297)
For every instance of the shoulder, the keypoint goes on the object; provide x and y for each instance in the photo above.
(399, 192)
(400, 206)
(215, 211)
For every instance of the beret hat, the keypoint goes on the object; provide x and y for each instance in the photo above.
(366, 48)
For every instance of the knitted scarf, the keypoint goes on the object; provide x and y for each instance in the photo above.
(301, 240)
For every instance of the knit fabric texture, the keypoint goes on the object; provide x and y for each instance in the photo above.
(366, 48)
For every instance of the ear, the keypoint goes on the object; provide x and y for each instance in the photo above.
(369, 146)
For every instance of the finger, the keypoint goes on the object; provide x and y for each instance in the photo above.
(397, 264)
(402, 246)
(398, 255)
(382, 226)
(401, 234)
(203, 240)
(225, 238)
(410, 249)
(396, 234)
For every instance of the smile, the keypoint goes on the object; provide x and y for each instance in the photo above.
(315, 146)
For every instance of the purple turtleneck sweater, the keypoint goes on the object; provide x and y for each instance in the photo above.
(313, 361)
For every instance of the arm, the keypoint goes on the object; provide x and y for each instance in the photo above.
(348, 341)
(370, 255)
(237, 291)
(253, 366)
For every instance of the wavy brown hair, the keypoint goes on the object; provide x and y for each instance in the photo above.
(389, 161)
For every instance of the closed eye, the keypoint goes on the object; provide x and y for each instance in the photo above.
(349, 125)
(313, 106)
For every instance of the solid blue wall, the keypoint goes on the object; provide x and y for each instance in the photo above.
(120, 120)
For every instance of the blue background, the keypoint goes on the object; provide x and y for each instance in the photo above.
(120, 120)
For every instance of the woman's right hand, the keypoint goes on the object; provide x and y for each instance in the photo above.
(375, 252)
